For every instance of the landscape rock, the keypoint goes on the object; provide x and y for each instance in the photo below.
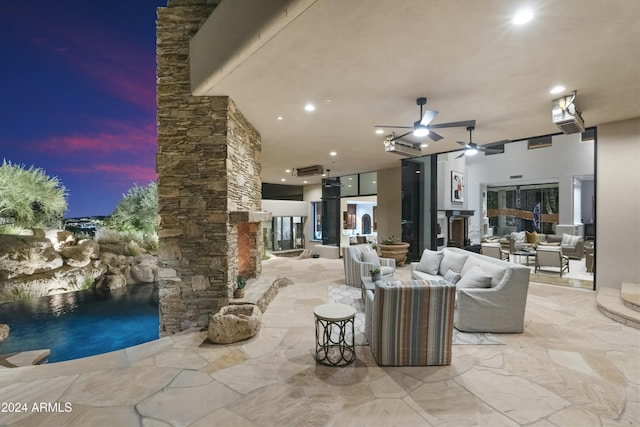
(144, 269)
(63, 279)
(4, 332)
(26, 255)
(60, 238)
(81, 254)
(234, 323)
(112, 282)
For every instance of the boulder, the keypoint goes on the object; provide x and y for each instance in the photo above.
(81, 254)
(60, 238)
(75, 256)
(63, 279)
(144, 269)
(234, 323)
(26, 255)
(112, 282)
(4, 332)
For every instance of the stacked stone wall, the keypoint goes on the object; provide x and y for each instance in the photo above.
(208, 165)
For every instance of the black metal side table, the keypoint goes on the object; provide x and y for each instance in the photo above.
(334, 345)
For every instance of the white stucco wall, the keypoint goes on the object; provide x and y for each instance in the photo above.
(618, 204)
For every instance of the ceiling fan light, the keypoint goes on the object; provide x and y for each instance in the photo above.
(470, 152)
(420, 131)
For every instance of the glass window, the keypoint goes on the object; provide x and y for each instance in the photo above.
(349, 185)
(317, 220)
(368, 183)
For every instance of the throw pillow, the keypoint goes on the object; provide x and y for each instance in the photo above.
(451, 261)
(569, 240)
(430, 262)
(474, 278)
(371, 257)
(518, 236)
(531, 237)
(452, 276)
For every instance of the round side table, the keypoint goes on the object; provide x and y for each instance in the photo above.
(333, 346)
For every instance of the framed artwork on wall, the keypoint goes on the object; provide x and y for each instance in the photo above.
(457, 186)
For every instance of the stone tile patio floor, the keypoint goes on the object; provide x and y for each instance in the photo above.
(571, 367)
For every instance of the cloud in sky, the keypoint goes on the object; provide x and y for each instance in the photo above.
(112, 137)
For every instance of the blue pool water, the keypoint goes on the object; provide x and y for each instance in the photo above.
(84, 323)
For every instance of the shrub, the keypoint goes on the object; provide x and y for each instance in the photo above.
(15, 229)
(107, 236)
(30, 196)
(136, 211)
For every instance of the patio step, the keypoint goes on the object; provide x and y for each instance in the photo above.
(610, 302)
(630, 294)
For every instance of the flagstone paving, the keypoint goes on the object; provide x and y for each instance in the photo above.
(571, 366)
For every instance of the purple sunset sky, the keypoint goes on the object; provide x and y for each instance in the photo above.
(78, 95)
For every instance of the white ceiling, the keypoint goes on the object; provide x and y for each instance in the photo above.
(364, 63)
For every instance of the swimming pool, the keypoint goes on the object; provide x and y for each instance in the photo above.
(83, 323)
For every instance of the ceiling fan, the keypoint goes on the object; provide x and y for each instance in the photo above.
(471, 148)
(423, 127)
(331, 182)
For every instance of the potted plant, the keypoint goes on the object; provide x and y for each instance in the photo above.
(393, 247)
(375, 271)
(241, 282)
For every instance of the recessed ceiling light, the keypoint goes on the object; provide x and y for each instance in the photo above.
(333, 153)
(379, 131)
(304, 182)
(282, 179)
(310, 107)
(557, 89)
(280, 117)
(373, 182)
(287, 170)
(424, 145)
(522, 17)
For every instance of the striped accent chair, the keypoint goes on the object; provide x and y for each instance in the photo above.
(410, 322)
(355, 267)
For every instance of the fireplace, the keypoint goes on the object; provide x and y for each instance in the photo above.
(458, 230)
(250, 242)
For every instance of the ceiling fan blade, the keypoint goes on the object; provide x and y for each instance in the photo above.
(464, 144)
(460, 155)
(395, 138)
(434, 136)
(394, 127)
(463, 124)
(428, 116)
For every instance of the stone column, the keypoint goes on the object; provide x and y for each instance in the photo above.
(208, 165)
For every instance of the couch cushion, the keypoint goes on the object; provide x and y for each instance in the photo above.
(518, 236)
(452, 277)
(569, 240)
(451, 261)
(496, 271)
(420, 275)
(429, 262)
(474, 278)
(371, 257)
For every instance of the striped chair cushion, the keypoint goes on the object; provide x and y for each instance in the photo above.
(412, 322)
